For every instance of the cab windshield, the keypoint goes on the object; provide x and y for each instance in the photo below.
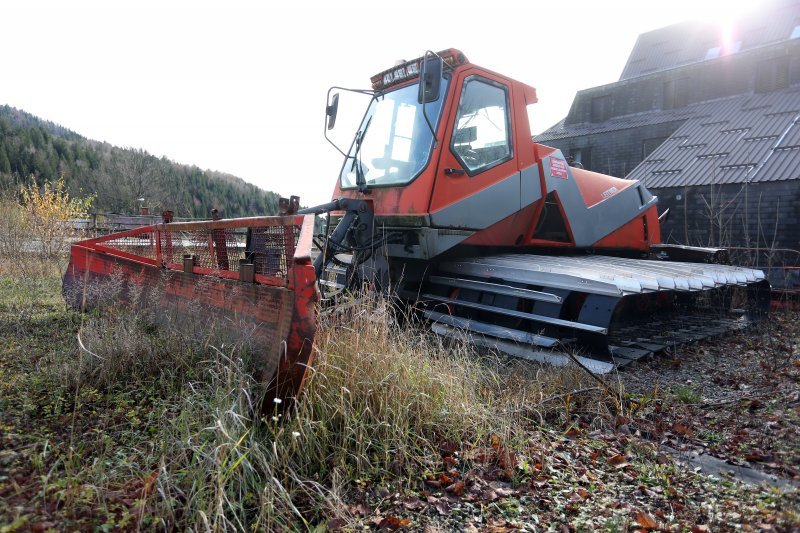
(394, 142)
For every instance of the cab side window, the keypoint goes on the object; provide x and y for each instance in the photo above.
(482, 136)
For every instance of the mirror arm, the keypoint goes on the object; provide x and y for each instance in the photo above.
(325, 128)
(422, 84)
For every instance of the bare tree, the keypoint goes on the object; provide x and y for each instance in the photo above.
(136, 176)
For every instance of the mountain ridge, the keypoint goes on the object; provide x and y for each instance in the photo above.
(120, 177)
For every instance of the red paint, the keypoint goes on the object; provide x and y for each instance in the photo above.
(596, 187)
(276, 315)
(632, 235)
(434, 190)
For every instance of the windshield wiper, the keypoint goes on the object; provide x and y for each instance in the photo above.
(361, 180)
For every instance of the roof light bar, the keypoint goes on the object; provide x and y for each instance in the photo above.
(410, 69)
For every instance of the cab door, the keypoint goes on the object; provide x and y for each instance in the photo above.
(477, 181)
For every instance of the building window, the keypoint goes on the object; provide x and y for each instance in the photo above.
(581, 156)
(733, 47)
(795, 32)
(724, 50)
(649, 146)
(772, 74)
(601, 108)
(676, 93)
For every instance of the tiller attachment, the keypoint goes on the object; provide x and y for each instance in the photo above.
(246, 281)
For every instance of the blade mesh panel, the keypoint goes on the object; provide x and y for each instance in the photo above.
(267, 247)
(142, 245)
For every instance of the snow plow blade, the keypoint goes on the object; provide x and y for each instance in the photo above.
(247, 282)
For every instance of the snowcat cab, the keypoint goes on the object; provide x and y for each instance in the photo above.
(489, 232)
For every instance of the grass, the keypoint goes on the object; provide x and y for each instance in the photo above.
(379, 404)
(686, 394)
(152, 429)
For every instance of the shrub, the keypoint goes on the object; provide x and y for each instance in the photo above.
(36, 228)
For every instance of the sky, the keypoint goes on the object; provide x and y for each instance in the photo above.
(240, 86)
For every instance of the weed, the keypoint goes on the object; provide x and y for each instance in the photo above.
(149, 428)
(686, 394)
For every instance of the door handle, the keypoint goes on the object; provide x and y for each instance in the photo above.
(454, 172)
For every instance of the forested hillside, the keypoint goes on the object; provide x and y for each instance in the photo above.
(30, 146)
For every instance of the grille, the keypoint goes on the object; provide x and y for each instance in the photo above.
(268, 243)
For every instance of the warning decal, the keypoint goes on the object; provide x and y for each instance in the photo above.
(558, 168)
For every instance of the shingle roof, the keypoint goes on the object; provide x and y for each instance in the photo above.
(562, 131)
(747, 138)
(691, 42)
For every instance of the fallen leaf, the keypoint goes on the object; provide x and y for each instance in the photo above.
(680, 429)
(413, 504)
(445, 480)
(433, 483)
(618, 461)
(502, 489)
(392, 523)
(442, 507)
(456, 489)
(646, 521)
(448, 448)
(506, 458)
(489, 495)
(755, 457)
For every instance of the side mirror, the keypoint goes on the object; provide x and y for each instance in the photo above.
(331, 111)
(430, 78)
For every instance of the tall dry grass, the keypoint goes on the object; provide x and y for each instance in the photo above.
(382, 400)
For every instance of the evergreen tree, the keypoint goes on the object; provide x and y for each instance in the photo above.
(5, 163)
(119, 176)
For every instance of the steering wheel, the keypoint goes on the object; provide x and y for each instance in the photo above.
(470, 157)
